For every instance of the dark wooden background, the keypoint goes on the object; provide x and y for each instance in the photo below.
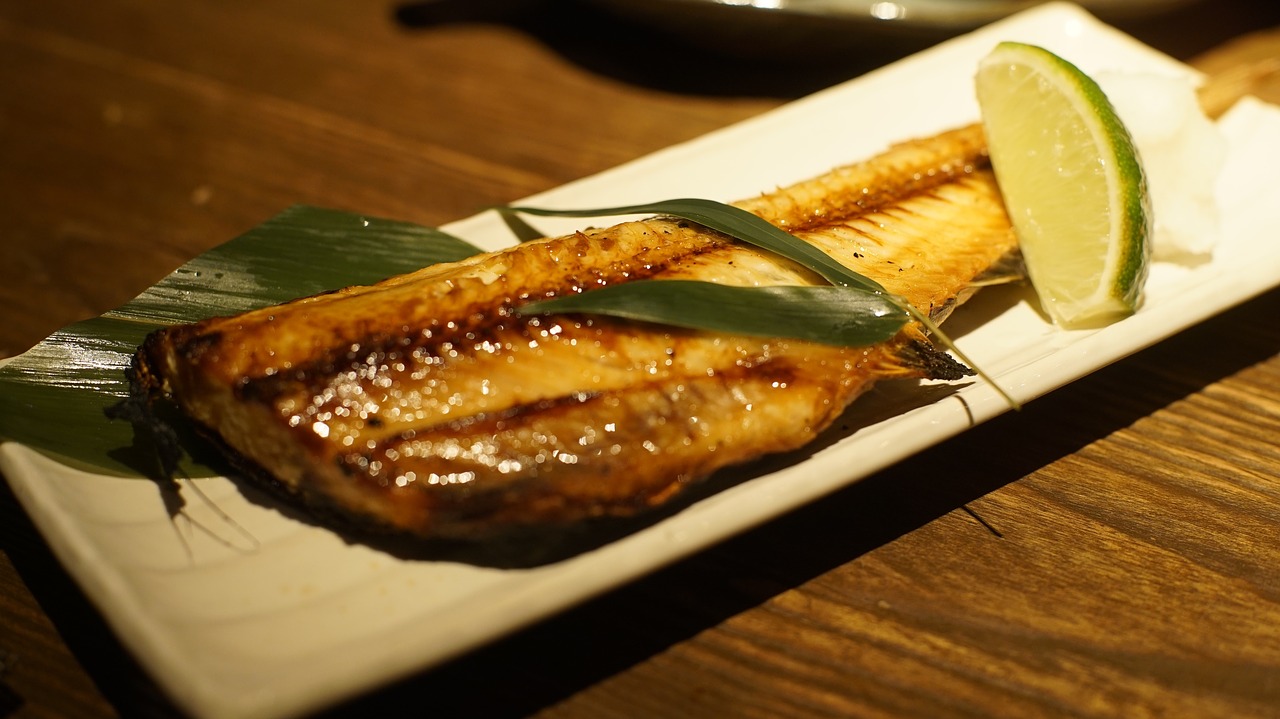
(1110, 551)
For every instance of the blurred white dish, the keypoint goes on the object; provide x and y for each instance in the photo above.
(819, 29)
(951, 14)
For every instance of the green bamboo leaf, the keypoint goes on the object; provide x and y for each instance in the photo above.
(738, 224)
(52, 397)
(829, 314)
(300, 252)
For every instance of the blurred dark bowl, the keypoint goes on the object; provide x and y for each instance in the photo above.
(815, 29)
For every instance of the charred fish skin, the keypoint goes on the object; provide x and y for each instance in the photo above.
(423, 405)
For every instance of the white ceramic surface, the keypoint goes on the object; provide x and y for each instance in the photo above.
(244, 612)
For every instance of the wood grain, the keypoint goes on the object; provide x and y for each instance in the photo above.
(1110, 551)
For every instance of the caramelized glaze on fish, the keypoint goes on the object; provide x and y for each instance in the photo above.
(424, 405)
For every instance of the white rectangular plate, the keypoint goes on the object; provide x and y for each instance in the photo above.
(276, 617)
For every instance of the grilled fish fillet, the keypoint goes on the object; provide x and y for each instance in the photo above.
(423, 405)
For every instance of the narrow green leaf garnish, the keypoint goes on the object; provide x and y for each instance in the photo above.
(828, 314)
(753, 230)
(738, 224)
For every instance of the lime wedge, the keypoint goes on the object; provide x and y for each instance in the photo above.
(1072, 183)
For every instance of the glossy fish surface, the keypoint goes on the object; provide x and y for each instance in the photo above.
(425, 405)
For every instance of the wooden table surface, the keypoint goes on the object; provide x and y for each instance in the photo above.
(1112, 550)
